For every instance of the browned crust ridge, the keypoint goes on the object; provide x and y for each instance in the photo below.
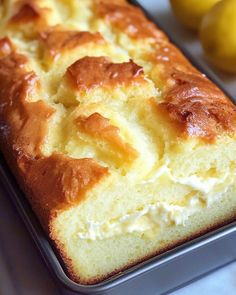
(192, 103)
(89, 73)
(57, 41)
(52, 183)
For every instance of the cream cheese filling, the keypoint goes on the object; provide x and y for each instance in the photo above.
(195, 182)
(151, 217)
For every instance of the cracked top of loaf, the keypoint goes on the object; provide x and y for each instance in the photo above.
(91, 89)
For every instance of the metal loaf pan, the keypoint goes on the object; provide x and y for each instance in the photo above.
(158, 275)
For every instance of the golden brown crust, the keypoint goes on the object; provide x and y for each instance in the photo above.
(27, 11)
(197, 106)
(193, 104)
(53, 182)
(19, 118)
(91, 72)
(127, 18)
(99, 128)
(58, 181)
(56, 41)
(168, 59)
(6, 47)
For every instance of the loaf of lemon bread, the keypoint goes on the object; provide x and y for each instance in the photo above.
(122, 147)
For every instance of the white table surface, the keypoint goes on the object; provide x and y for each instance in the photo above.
(22, 272)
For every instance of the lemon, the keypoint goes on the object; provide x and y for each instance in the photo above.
(218, 35)
(190, 12)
